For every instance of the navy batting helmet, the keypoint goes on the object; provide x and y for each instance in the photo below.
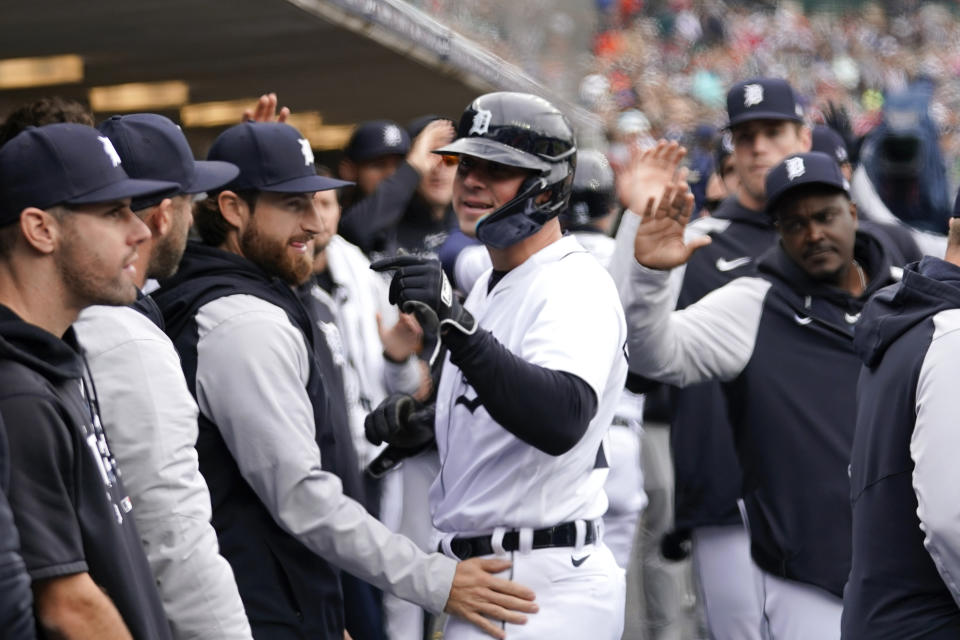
(525, 131)
(593, 192)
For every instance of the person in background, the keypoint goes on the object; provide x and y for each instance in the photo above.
(387, 170)
(429, 218)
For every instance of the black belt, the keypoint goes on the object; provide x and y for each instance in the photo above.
(562, 535)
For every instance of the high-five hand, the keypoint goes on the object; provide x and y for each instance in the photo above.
(659, 243)
(648, 173)
(265, 110)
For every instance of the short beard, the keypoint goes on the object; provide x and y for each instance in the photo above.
(84, 282)
(272, 256)
(166, 254)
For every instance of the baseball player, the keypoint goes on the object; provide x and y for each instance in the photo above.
(903, 471)
(69, 241)
(782, 342)
(525, 395)
(266, 445)
(765, 124)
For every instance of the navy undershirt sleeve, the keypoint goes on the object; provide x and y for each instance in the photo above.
(366, 222)
(547, 409)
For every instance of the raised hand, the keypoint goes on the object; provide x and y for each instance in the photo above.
(659, 243)
(265, 110)
(648, 173)
(435, 135)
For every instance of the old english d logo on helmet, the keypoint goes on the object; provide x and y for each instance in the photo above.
(481, 122)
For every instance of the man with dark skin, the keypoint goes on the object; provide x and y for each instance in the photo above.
(783, 334)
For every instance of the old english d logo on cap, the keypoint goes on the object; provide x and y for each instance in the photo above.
(752, 95)
(795, 168)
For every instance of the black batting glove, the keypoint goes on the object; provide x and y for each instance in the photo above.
(420, 286)
(401, 422)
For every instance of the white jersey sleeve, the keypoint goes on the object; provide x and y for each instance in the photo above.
(933, 448)
(712, 339)
(252, 370)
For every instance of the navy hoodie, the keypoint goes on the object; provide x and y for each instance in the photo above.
(65, 489)
(895, 590)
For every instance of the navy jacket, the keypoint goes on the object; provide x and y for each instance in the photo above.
(783, 346)
(66, 491)
(707, 472)
(897, 588)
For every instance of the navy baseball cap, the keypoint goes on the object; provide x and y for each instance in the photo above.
(68, 164)
(272, 156)
(800, 170)
(152, 146)
(375, 139)
(762, 99)
(828, 141)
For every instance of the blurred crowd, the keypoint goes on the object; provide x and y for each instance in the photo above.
(672, 61)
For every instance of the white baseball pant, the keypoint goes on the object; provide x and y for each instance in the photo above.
(582, 601)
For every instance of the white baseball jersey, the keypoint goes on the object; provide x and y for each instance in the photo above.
(559, 310)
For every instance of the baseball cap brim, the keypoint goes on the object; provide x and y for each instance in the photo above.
(306, 184)
(129, 188)
(774, 199)
(209, 175)
(493, 151)
(762, 115)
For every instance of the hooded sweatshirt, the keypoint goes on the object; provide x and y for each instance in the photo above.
(905, 575)
(65, 491)
(783, 345)
(16, 600)
(271, 455)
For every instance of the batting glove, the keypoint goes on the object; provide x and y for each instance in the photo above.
(401, 422)
(420, 286)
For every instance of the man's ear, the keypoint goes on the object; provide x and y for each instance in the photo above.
(233, 208)
(853, 211)
(347, 170)
(806, 138)
(160, 218)
(40, 229)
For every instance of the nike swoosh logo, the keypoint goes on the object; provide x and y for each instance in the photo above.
(577, 562)
(802, 320)
(470, 403)
(729, 265)
(851, 319)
